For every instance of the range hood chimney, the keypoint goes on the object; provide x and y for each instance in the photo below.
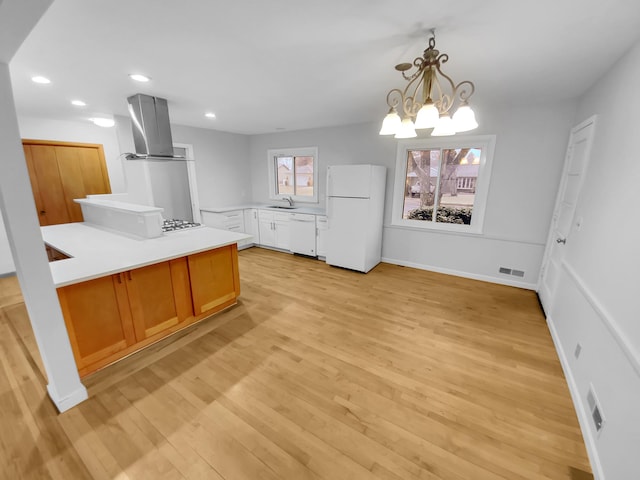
(151, 129)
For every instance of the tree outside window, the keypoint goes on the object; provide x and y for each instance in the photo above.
(440, 181)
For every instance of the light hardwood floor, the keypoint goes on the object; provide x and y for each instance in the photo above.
(319, 373)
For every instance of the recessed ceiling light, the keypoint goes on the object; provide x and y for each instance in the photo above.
(78, 103)
(139, 77)
(210, 115)
(103, 122)
(40, 79)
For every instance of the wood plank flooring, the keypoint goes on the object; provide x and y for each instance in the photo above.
(319, 373)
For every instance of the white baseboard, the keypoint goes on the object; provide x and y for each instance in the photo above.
(70, 401)
(458, 273)
(583, 416)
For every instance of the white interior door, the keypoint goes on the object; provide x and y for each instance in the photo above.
(576, 161)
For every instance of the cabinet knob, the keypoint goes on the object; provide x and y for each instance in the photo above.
(42, 212)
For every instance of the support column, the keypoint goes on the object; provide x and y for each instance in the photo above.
(32, 266)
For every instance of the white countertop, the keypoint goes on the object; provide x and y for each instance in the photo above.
(97, 252)
(298, 208)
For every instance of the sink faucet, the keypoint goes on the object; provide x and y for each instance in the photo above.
(290, 200)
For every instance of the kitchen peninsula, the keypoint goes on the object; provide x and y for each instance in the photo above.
(120, 293)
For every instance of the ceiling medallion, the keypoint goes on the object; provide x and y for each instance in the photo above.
(429, 97)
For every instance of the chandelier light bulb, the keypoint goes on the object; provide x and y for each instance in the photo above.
(444, 127)
(391, 123)
(428, 116)
(464, 119)
(407, 129)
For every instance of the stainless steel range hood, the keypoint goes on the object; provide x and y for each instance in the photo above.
(151, 129)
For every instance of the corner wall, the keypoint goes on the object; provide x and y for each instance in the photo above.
(530, 147)
(597, 300)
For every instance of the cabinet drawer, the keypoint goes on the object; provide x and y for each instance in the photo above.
(266, 215)
(282, 217)
(232, 220)
(233, 213)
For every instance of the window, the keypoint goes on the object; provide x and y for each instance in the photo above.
(293, 173)
(442, 183)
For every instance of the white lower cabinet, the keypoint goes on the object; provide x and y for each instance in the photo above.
(252, 224)
(267, 229)
(233, 220)
(321, 235)
(274, 229)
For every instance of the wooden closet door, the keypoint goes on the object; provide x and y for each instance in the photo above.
(81, 175)
(59, 173)
(47, 186)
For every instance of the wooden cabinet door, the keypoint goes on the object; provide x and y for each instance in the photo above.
(59, 173)
(215, 281)
(98, 319)
(159, 297)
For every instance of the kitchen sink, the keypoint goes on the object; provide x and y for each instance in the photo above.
(284, 207)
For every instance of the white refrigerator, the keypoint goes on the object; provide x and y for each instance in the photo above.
(355, 207)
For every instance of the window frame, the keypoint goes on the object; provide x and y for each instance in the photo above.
(273, 154)
(484, 142)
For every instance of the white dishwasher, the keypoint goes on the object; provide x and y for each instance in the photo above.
(302, 235)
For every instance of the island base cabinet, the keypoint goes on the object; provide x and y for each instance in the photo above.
(98, 319)
(159, 297)
(215, 281)
(111, 317)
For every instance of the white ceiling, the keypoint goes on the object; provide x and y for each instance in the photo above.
(291, 64)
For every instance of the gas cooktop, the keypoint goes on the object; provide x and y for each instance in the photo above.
(174, 224)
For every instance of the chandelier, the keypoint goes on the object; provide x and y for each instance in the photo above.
(429, 98)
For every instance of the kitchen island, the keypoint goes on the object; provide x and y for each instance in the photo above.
(121, 293)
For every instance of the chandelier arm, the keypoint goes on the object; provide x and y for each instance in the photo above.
(409, 104)
(464, 95)
(395, 97)
(446, 100)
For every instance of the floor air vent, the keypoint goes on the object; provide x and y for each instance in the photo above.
(511, 271)
(594, 408)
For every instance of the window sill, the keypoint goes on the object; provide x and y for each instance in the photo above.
(434, 227)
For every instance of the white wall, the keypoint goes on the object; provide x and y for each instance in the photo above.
(223, 170)
(597, 302)
(530, 147)
(6, 259)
